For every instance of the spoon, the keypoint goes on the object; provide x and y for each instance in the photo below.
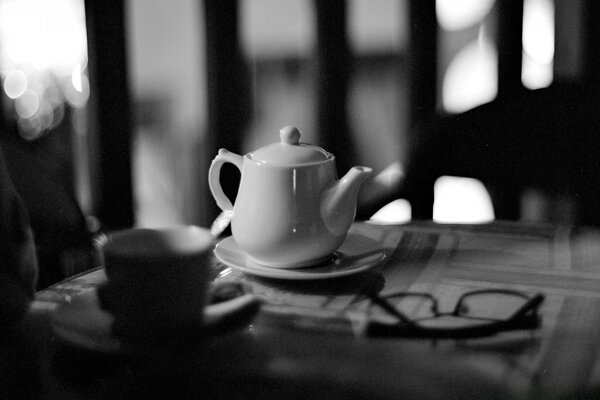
(221, 223)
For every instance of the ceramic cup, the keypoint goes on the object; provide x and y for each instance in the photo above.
(157, 279)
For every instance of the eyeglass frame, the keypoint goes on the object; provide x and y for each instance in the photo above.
(525, 317)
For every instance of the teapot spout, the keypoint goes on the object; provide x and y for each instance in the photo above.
(338, 202)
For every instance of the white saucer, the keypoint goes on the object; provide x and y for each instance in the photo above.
(358, 253)
(81, 322)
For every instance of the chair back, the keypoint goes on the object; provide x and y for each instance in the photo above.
(544, 139)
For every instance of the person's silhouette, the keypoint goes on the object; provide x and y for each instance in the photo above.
(18, 264)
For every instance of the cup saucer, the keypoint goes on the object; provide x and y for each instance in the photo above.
(358, 253)
(81, 322)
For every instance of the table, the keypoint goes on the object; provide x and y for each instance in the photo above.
(306, 341)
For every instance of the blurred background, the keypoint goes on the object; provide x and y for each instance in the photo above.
(46, 88)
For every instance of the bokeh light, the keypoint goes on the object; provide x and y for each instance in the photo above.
(15, 83)
(538, 43)
(27, 104)
(461, 200)
(538, 30)
(471, 78)
(455, 15)
(43, 54)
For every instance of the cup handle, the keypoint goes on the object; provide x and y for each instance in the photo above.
(214, 173)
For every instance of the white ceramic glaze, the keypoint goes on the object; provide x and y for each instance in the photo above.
(357, 254)
(291, 210)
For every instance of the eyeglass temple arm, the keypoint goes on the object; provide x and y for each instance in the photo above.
(532, 304)
(389, 308)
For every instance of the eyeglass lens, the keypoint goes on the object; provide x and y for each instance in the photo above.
(491, 305)
(412, 305)
(487, 305)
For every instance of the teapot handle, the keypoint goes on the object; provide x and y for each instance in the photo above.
(214, 174)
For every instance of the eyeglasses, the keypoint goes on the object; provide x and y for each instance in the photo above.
(476, 314)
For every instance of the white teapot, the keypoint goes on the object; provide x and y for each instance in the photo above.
(291, 211)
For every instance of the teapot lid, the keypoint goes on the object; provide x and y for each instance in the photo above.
(289, 150)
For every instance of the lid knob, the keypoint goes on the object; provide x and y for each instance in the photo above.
(289, 135)
(289, 150)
